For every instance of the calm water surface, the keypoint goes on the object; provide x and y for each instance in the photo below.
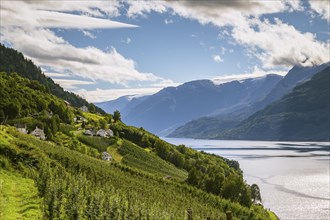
(294, 177)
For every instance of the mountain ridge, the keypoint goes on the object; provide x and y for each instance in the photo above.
(173, 106)
(301, 115)
(222, 120)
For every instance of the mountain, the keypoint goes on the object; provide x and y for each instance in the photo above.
(301, 115)
(14, 61)
(122, 104)
(297, 75)
(174, 106)
(223, 119)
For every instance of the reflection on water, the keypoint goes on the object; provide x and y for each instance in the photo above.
(293, 176)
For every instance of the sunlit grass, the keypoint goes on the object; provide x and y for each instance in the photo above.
(272, 215)
(18, 197)
(91, 116)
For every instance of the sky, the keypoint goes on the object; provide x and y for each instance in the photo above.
(102, 50)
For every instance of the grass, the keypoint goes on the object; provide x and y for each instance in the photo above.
(18, 197)
(114, 153)
(90, 116)
(137, 157)
(272, 215)
(3, 133)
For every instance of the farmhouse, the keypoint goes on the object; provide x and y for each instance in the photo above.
(109, 132)
(88, 133)
(106, 156)
(39, 133)
(84, 108)
(21, 128)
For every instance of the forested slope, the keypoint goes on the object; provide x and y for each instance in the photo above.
(14, 61)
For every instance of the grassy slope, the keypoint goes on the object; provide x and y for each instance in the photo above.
(168, 199)
(18, 197)
(272, 215)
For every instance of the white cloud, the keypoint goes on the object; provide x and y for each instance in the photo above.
(322, 8)
(88, 34)
(101, 95)
(165, 83)
(89, 62)
(280, 44)
(274, 44)
(50, 14)
(217, 59)
(53, 74)
(127, 40)
(219, 13)
(223, 50)
(255, 73)
(25, 26)
(168, 21)
(140, 8)
(69, 84)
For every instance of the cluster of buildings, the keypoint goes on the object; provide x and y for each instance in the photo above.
(100, 133)
(37, 132)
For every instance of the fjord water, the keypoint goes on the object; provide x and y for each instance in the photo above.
(294, 177)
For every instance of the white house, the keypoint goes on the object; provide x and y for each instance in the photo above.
(102, 133)
(84, 108)
(88, 133)
(106, 156)
(110, 132)
(21, 128)
(67, 103)
(79, 119)
(39, 133)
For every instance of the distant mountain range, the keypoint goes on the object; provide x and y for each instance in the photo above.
(204, 109)
(164, 111)
(212, 126)
(301, 115)
(122, 104)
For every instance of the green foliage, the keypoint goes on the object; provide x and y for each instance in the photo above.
(136, 157)
(255, 193)
(92, 108)
(67, 129)
(76, 186)
(116, 116)
(211, 173)
(19, 100)
(99, 143)
(13, 61)
(103, 124)
(73, 143)
(18, 197)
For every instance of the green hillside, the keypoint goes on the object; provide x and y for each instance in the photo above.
(147, 178)
(73, 185)
(44, 146)
(14, 61)
(301, 115)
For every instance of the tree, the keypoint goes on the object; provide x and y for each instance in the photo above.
(2, 115)
(108, 118)
(102, 123)
(91, 108)
(116, 116)
(12, 110)
(255, 193)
